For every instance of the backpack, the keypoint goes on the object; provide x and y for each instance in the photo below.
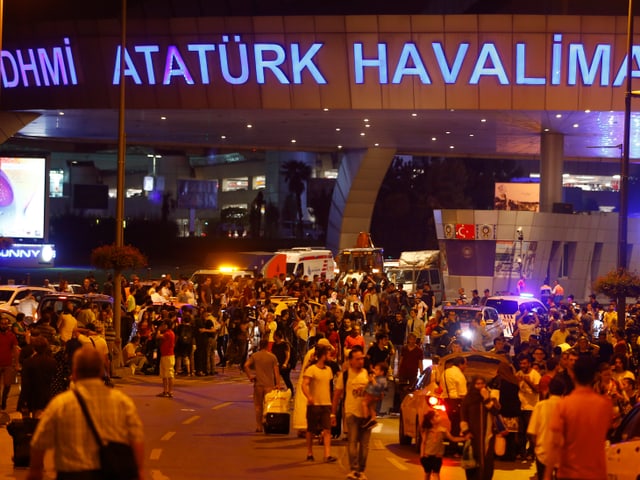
(186, 334)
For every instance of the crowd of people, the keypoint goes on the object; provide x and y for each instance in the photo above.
(177, 328)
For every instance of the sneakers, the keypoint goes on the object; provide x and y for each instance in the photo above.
(369, 424)
(165, 395)
(353, 475)
(330, 459)
(310, 458)
(362, 476)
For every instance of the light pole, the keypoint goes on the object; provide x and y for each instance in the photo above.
(117, 297)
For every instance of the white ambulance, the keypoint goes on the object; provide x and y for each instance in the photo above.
(308, 261)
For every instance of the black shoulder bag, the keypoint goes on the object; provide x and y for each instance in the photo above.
(117, 460)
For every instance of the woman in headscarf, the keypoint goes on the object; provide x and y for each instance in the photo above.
(477, 423)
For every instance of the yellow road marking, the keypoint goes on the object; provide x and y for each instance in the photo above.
(221, 405)
(396, 463)
(191, 420)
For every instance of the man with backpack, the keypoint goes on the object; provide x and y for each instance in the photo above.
(350, 388)
(184, 346)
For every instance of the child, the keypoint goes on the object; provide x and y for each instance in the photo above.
(373, 393)
(432, 448)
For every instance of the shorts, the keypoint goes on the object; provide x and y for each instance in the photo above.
(166, 366)
(318, 418)
(431, 464)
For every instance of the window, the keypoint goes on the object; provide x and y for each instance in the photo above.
(259, 182)
(235, 184)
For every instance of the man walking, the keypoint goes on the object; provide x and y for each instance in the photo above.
(316, 386)
(265, 378)
(350, 386)
(63, 427)
(8, 357)
(579, 426)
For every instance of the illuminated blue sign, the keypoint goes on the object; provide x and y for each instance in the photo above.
(235, 62)
(21, 256)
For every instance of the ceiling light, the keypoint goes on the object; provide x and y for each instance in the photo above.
(433, 139)
(339, 147)
(325, 109)
(366, 120)
(483, 120)
(471, 135)
(362, 134)
(223, 137)
(575, 125)
(249, 125)
(293, 140)
(558, 115)
(451, 146)
(60, 113)
(452, 110)
(448, 132)
(367, 126)
(414, 114)
(587, 111)
(546, 129)
(163, 118)
(376, 144)
(338, 129)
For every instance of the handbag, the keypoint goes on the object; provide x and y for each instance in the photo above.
(468, 461)
(117, 460)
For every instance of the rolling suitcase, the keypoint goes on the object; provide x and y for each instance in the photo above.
(276, 412)
(21, 431)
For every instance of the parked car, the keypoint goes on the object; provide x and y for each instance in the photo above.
(466, 313)
(425, 395)
(623, 452)
(11, 295)
(56, 301)
(509, 305)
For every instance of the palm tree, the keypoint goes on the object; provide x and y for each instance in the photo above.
(296, 175)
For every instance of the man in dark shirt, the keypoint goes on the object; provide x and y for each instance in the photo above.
(380, 351)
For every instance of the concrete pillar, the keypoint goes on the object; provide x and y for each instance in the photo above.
(354, 195)
(551, 165)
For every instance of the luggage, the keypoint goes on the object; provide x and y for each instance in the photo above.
(277, 401)
(277, 423)
(21, 431)
(276, 412)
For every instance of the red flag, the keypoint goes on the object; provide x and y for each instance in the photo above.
(465, 231)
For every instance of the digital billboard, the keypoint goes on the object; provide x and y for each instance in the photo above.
(22, 197)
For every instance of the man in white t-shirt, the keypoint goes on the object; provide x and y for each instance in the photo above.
(351, 385)
(539, 423)
(528, 394)
(316, 386)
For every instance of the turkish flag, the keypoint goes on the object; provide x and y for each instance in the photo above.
(465, 231)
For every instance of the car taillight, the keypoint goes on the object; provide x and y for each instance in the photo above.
(436, 404)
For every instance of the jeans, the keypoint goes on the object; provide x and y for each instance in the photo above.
(358, 443)
(212, 346)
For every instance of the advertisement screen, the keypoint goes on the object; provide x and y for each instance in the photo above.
(22, 197)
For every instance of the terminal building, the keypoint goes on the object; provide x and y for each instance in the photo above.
(217, 100)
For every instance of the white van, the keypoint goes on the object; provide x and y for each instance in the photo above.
(309, 261)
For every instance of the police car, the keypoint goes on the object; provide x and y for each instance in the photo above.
(623, 452)
(508, 307)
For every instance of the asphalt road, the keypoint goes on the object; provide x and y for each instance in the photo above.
(207, 431)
